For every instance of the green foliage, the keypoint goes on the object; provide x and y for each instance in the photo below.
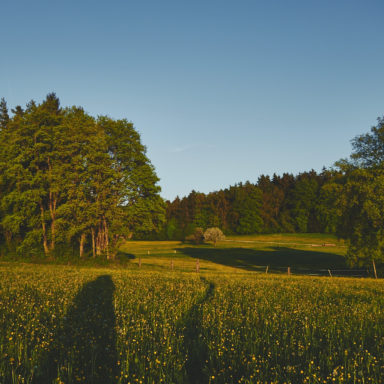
(303, 202)
(4, 116)
(327, 209)
(361, 204)
(247, 205)
(284, 203)
(69, 178)
(361, 201)
(213, 234)
(197, 237)
(368, 149)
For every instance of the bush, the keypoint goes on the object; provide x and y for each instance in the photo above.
(197, 237)
(214, 235)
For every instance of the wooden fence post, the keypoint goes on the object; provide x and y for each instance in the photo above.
(374, 268)
(266, 270)
(289, 271)
(329, 271)
(197, 265)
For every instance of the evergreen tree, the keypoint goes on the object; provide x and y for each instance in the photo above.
(247, 205)
(4, 116)
(272, 200)
(303, 200)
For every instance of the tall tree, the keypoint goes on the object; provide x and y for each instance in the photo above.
(362, 215)
(80, 142)
(69, 178)
(29, 165)
(247, 205)
(303, 198)
(368, 149)
(272, 200)
(4, 116)
(137, 194)
(362, 198)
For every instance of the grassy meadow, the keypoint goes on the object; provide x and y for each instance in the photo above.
(304, 253)
(229, 323)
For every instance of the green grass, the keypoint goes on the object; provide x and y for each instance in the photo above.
(301, 238)
(230, 323)
(305, 254)
(63, 324)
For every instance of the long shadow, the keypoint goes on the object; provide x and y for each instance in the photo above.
(275, 257)
(124, 256)
(195, 346)
(84, 347)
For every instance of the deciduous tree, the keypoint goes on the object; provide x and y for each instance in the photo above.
(213, 234)
(362, 198)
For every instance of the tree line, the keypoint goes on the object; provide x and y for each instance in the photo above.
(346, 200)
(71, 181)
(287, 203)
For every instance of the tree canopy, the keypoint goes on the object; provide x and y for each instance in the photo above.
(70, 181)
(69, 178)
(213, 234)
(361, 197)
(302, 203)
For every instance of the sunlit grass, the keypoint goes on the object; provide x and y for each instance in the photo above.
(304, 253)
(180, 327)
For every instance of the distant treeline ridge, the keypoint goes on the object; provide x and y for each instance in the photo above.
(302, 203)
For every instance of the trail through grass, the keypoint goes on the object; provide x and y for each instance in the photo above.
(195, 344)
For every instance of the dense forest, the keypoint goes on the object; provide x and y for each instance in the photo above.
(71, 181)
(287, 203)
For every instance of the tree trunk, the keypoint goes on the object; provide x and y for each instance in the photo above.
(98, 242)
(374, 268)
(115, 241)
(106, 239)
(52, 211)
(8, 237)
(45, 241)
(52, 207)
(82, 242)
(93, 243)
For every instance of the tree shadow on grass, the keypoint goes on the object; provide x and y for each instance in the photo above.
(84, 349)
(123, 257)
(274, 257)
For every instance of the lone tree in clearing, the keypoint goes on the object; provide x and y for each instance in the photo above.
(214, 235)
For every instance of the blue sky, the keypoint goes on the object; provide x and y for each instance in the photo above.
(220, 91)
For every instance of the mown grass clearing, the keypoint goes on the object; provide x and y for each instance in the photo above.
(312, 254)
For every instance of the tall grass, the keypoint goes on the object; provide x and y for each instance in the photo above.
(75, 325)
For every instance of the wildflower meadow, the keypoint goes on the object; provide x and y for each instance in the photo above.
(91, 325)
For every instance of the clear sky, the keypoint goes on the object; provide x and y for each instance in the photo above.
(220, 91)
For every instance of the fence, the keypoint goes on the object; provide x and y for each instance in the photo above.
(198, 265)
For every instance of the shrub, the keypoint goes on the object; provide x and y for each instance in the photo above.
(214, 235)
(197, 237)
